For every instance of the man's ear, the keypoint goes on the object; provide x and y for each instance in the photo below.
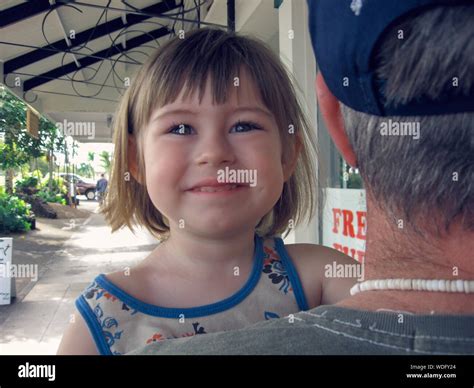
(331, 111)
(290, 165)
(132, 158)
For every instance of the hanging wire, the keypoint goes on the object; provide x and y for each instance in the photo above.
(123, 55)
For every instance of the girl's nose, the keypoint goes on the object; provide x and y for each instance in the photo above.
(215, 149)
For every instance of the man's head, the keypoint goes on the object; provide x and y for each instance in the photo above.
(419, 167)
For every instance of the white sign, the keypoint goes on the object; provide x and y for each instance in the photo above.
(345, 221)
(6, 247)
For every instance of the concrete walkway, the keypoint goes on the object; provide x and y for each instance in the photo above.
(35, 322)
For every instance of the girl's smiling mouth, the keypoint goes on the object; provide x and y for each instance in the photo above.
(224, 189)
(212, 187)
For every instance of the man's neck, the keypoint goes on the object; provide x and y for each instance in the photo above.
(395, 250)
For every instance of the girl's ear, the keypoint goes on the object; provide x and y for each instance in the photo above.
(132, 158)
(290, 165)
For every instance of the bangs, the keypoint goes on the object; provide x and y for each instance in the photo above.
(222, 57)
(191, 71)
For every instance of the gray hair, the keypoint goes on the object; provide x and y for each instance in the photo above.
(429, 173)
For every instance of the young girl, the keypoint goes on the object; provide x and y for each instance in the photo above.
(214, 156)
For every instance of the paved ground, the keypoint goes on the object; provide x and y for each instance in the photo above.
(69, 254)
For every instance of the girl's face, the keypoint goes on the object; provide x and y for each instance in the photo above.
(185, 144)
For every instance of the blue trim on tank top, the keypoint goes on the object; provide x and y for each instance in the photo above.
(292, 274)
(94, 326)
(192, 312)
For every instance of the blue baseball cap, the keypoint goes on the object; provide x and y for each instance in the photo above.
(344, 34)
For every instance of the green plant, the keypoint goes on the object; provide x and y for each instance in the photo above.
(19, 146)
(37, 174)
(85, 169)
(58, 185)
(30, 182)
(106, 160)
(14, 214)
(45, 195)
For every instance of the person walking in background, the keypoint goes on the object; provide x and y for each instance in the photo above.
(101, 188)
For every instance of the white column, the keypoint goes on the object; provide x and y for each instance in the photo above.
(297, 54)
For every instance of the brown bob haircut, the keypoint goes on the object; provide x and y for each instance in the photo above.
(188, 63)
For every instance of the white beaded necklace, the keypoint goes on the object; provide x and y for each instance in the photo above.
(436, 285)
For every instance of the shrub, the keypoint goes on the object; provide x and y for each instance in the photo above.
(26, 185)
(38, 174)
(47, 196)
(57, 187)
(14, 214)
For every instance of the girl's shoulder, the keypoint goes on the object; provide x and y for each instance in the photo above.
(310, 261)
(128, 280)
(138, 283)
(314, 255)
(155, 286)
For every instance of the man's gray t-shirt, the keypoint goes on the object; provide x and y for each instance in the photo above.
(328, 330)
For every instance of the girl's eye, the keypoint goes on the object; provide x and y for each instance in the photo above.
(185, 129)
(180, 129)
(246, 126)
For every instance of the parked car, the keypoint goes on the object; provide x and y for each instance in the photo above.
(84, 186)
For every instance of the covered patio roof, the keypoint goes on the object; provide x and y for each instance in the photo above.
(72, 60)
